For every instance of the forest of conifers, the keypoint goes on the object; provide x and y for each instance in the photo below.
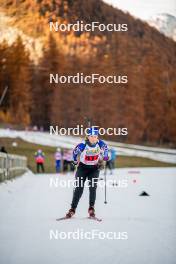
(146, 105)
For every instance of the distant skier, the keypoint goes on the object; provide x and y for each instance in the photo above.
(110, 164)
(65, 160)
(113, 157)
(70, 166)
(39, 159)
(68, 160)
(58, 159)
(89, 156)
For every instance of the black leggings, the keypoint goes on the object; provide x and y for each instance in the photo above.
(85, 172)
(40, 165)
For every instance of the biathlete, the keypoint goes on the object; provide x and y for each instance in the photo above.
(88, 156)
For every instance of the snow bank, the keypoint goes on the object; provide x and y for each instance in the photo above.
(42, 138)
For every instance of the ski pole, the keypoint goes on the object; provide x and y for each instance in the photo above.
(74, 184)
(105, 173)
(75, 180)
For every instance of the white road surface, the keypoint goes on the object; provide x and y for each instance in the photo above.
(144, 226)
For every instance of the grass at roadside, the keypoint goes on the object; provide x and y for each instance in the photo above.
(28, 149)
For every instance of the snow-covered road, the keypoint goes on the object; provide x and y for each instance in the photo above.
(30, 204)
(44, 138)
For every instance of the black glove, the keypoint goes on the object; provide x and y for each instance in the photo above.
(74, 164)
(101, 164)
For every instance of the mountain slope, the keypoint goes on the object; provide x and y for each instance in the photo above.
(33, 18)
(165, 23)
(146, 104)
(10, 33)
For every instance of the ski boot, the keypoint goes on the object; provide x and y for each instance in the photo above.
(91, 211)
(70, 213)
